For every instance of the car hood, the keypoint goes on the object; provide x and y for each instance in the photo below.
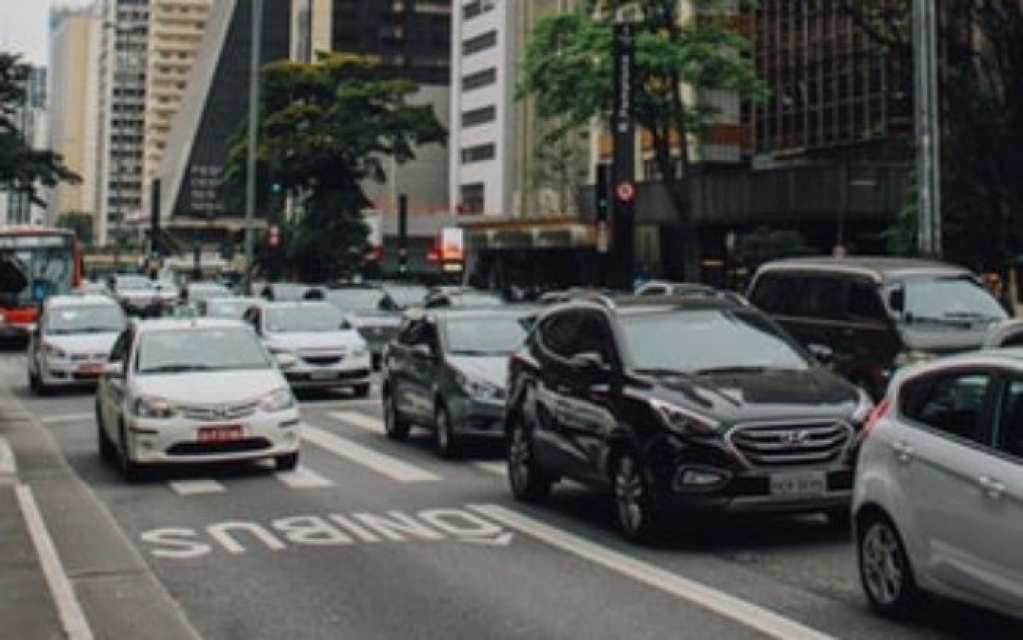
(84, 342)
(374, 319)
(491, 369)
(315, 340)
(763, 395)
(210, 387)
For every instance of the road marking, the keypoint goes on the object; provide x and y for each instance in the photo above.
(360, 420)
(72, 617)
(494, 468)
(196, 487)
(303, 478)
(719, 602)
(8, 466)
(386, 465)
(72, 417)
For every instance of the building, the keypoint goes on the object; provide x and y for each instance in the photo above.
(30, 119)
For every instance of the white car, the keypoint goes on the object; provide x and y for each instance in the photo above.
(314, 345)
(938, 496)
(194, 391)
(71, 340)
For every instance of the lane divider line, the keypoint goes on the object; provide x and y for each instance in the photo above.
(199, 486)
(73, 619)
(386, 465)
(8, 465)
(303, 478)
(493, 468)
(724, 604)
(360, 420)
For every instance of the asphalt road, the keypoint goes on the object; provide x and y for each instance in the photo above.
(375, 539)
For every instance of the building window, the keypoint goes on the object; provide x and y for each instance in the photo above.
(478, 153)
(481, 42)
(476, 117)
(479, 79)
(472, 198)
(476, 7)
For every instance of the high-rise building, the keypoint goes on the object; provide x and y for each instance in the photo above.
(72, 86)
(30, 119)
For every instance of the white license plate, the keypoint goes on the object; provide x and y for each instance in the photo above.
(805, 483)
(322, 375)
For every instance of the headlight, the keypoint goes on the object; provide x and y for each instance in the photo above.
(278, 400)
(914, 356)
(54, 351)
(683, 421)
(359, 352)
(476, 387)
(153, 408)
(285, 357)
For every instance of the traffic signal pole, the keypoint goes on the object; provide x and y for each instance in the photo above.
(623, 218)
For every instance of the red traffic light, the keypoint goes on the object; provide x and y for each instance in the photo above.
(273, 235)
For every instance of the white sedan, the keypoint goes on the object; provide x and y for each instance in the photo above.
(193, 391)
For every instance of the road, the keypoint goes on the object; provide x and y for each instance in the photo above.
(370, 538)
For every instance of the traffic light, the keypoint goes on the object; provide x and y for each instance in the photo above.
(273, 235)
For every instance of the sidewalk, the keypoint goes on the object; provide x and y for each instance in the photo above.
(66, 569)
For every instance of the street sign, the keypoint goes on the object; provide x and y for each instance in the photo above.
(625, 191)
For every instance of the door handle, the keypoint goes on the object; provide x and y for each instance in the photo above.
(991, 487)
(903, 451)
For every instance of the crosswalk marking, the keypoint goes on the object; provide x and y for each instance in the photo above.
(360, 420)
(389, 466)
(303, 478)
(71, 417)
(494, 468)
(198, 486)
(8, 467)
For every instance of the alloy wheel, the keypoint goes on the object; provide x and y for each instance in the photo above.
(527, 482)
(632, 502)
(884, 568)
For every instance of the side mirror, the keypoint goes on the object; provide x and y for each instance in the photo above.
(112, 370)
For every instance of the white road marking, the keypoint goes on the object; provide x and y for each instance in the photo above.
(72, 617)
(71, 417)
(198, 486)
(391, 467)
(724, 604)
(494, 468)
(303, 478)
(360, 420)
(8, 466)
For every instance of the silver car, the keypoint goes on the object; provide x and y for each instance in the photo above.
(190, 391)
(71, 340)
(938, 497)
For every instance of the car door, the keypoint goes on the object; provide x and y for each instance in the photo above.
(943, 462)
(555, 342)
(111, 388)
(408, 368)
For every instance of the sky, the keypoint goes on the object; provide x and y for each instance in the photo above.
(24, 26)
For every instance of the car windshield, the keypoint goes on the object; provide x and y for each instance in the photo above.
(708, 340)
(205, 349)
(100, 318)
(493, 335)
(134, 283)
(228, 307)
(207, 290)
(354, 300)
(303, 318)
(955, 298)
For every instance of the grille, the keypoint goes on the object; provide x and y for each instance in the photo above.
(200, 448)
(786, 444)
(88, 357)
(322, 356)
(216, 413)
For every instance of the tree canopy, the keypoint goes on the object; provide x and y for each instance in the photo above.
(325, 128)
(567, 69)
(22, 168)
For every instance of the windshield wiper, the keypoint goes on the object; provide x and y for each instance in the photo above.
(177, 368)
(731, 369)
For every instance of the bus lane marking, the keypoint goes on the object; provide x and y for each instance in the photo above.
(195, 487)
(303, 478)
(8, 466)
(719, 602)
(386, 465)
(360, 420)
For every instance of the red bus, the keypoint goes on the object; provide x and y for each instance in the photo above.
(35, 262)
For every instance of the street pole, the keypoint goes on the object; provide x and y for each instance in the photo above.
(250, 168)
(927, 128)
(623, 133)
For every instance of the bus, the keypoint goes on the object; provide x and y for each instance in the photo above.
(35, 262)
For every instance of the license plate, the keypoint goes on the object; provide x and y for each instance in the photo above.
(322, 375)
(90, 369)
(808, 483)
(225, 433)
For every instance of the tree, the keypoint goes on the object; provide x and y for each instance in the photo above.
(327, 126)
(78, 221)
(22, 168)
(567, 68)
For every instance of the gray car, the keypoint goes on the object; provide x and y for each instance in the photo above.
(446, 371)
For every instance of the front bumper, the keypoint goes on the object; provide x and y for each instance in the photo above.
(349, 372)
(74, 371)
(475, 416)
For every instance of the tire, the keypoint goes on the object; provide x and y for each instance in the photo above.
(360, 390)
(635, 514)
(286, 462)
(130, 470)
(528, 482)
(448, 445)
(107, 450)
(885, 572)
(394, 426)
(35, 382)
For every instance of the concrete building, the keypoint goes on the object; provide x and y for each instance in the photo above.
(72, 89)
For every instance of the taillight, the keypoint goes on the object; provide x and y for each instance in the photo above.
(879, 411)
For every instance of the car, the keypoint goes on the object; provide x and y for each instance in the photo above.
(448, 296)
(1008, 333)
(201, 290)
(679, 407)
(371, 310)
(875, 314)
(193, 391)
(403, 295)
(446, 370)
(228, 306)
(938, 497)
(141, 296)
(315, 346)
(71, 340)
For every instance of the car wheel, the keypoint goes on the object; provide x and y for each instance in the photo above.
(361, 390)
(35, 381)
(107, 450)
(286, 462)
(447, 440)
(394, 426)
(885, 572)
(528, 482)
(131, 470)
(637, 519)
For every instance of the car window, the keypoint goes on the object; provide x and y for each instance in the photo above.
(864, 303)
(484, 336)
(558, 333)
(1009, 431)
(952, 403)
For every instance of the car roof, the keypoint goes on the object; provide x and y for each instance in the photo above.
(295, 304)
(996, 356)
(513, 310)
(177, 324)
(632, 304)
(877, 268)
(80, 300)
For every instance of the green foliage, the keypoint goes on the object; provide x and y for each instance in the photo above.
(78, 221)
(23, 168)
(763, 244)
(901, 237)
(326, 127)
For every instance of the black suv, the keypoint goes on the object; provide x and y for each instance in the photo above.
(679, 404)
